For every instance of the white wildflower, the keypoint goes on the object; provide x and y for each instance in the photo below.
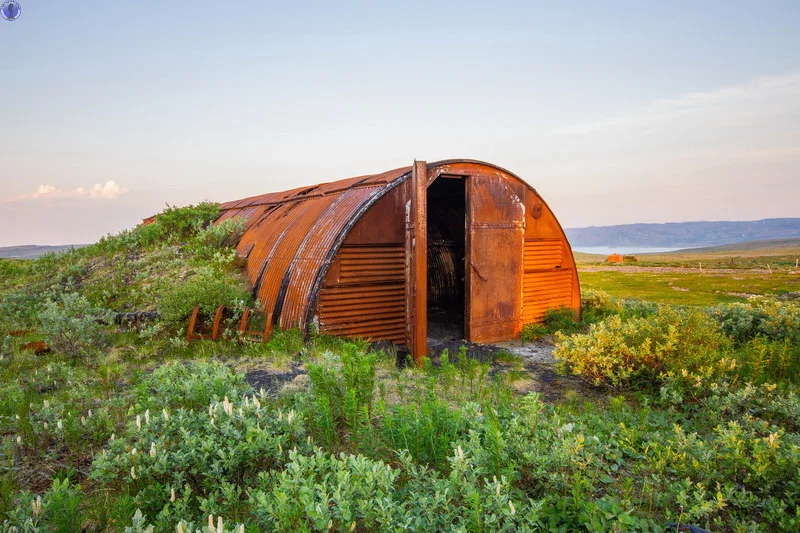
(133, 472)
(330, 524)
(459, 454)
(256, 402)
(290, 416)
(46, 404)
(172, 495)
(147, 417)
(511, 506)
(165, 414)
(36, 506)
(152, 449)
(133, 451)
(220, 529)
(181, 528)
(44, 425)
(60, 425)
(83, 420)
(211, 523)
(90, 413)
(240, 528)
(19, 440)
(138, 422)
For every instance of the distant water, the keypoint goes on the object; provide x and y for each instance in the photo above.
(624, 250)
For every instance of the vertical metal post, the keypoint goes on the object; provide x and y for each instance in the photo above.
(419, 261)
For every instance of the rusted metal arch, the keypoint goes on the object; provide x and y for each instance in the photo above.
(292, 237)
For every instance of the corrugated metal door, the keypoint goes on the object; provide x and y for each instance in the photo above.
(495, 241)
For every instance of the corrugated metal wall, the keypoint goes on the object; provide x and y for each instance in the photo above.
(335, 253)
(545, 284)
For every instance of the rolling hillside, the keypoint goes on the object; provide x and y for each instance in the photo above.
(686, 234)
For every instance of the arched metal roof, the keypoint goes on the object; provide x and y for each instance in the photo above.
(291, 237)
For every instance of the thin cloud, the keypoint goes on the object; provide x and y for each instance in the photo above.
(110, 190)
(753, 99)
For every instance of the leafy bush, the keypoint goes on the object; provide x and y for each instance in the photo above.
(532, 332)
(342, 391)
(188, 463)
(761, 360)
(208, 288)
(20, 309)
(426, 429)
(192, 385)
(768, 317)
(177, 224)
(621, 353)
(322, 492)
(217, 237)
(72, 325)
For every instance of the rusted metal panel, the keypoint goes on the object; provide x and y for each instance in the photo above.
(294, 239)
(417, 263)
(543, 290)
(543, 254)
(290, 238)
(496, 233)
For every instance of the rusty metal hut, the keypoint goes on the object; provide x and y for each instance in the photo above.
(459, 242)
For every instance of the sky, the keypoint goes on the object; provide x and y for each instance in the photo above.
(616, 112)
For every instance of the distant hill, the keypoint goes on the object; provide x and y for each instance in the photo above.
(685, 234)
(770, 245)
(32, 251)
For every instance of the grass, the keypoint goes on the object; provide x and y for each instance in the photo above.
(780, 254)
(128, 427)
(689, 288)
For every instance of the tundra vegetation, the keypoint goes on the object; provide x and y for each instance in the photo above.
(688, 415)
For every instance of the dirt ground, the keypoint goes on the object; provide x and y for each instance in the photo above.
(533, 370)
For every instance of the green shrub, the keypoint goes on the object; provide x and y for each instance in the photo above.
(192, 385)
(185, 464)
(72, 325)
(740, 321)
(216, 237)
(768, 317)
(761, 360)
(20, 308)
(621, 353)
(425, 429)
(342, 392)
(58, 509)
(532, 332)
(177, 224)
(208, 288)
(323, 492)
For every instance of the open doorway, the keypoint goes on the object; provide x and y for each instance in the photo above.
(446, 251)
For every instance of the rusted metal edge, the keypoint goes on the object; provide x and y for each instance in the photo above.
(279, 300)
(337, 243)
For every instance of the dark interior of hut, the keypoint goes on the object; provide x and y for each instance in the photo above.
(446, 246)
